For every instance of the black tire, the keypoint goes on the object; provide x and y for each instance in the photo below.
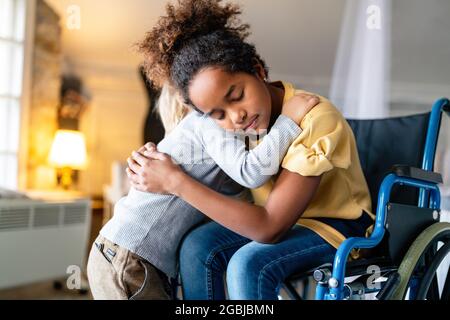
(429, 279)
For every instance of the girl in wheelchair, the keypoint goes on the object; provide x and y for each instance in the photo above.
(296, 221)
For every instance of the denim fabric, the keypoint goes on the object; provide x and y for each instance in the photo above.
(253, 270)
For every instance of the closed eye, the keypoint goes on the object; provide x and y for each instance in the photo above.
(241, 96)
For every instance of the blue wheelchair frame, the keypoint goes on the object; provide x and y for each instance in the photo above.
(334, 289)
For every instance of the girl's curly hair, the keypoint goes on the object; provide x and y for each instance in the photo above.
(193, 35)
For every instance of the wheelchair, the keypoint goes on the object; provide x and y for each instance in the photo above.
(400, 258)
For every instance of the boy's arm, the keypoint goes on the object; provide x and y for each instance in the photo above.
(251, 168)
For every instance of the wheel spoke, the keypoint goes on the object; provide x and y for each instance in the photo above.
(446, 291)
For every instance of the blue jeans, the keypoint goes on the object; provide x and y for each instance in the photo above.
(254, 271)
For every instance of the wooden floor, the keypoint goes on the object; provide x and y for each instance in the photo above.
(44, 291)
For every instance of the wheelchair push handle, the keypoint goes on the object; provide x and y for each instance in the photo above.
(439, 106)
(446, 106)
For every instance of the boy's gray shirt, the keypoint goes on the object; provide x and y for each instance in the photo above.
(152, 225)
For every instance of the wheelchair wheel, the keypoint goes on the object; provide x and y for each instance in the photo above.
(421, 261)
(428, 283)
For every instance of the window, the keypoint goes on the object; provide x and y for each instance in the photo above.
(12, 29)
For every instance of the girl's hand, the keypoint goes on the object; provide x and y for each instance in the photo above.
(153, 171)
(299, 105)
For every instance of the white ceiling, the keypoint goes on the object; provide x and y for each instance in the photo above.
(298, 38)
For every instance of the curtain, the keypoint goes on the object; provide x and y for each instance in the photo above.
(360, 82)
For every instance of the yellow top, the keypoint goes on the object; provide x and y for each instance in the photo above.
(325, 147)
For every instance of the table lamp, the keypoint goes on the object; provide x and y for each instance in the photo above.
(68, 152)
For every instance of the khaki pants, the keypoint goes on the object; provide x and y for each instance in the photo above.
(116, 273)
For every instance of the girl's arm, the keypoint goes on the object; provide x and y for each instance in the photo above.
(286, 203)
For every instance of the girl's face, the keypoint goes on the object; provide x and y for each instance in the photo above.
(235, 101)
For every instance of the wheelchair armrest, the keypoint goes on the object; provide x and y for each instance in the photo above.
(416, 173)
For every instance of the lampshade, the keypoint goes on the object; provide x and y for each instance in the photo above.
(68, 150)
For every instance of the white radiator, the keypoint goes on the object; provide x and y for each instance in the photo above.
(39, 240)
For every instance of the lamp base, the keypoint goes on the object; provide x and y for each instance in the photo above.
(64, 177)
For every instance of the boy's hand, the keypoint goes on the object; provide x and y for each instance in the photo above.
(299, 105)
(152, 171)
(149, 146)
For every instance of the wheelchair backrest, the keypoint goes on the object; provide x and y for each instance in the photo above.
(383, 143)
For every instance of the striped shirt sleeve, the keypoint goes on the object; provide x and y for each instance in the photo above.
(250, 168)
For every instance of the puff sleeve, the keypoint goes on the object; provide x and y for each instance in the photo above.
(324, 144)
